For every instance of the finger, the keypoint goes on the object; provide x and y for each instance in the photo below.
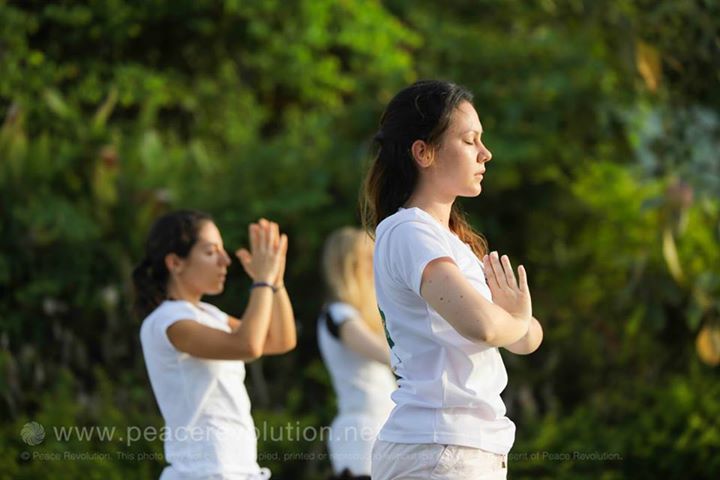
(242, 254)
(282, 252)
(254, 238)
(283, 244)
(264, 224)
(498, 270)
(262, 237)
(245, 260)
(522, 275)
(276, 234)
(266, 227)
(490, 273)
(509, 274)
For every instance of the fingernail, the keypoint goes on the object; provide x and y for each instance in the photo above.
(495, 254)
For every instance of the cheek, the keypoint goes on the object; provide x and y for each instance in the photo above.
(204, 267)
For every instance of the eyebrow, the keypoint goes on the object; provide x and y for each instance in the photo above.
(479, 132)
(206, 243)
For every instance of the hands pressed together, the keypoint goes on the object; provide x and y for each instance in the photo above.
(265, 261)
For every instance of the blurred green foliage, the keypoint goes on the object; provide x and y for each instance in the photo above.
(603, 121)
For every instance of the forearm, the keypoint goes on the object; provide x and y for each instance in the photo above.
(281, 336)
(504, 329)
(448, 292)
(530, 342)
(255, 323)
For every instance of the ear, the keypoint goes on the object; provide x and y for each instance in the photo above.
(173, 263)
(422, 153)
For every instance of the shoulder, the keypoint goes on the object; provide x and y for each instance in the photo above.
(154, 327)
(214, 311)
(408, 223)
(170, 309)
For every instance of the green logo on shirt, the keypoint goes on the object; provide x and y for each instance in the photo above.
(387, 334)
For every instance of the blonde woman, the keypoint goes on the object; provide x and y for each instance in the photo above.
(355, 351)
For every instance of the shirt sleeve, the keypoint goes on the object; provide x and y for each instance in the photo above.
(341, 313)
(172, 313)
(411, 246)
(215, 312)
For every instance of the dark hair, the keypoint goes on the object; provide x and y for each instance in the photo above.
(175, 232)
(421, 111)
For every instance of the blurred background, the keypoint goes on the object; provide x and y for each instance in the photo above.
(604, 121)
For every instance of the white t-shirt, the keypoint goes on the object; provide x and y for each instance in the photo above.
(449, 387)
(363, 388)
(209, 432)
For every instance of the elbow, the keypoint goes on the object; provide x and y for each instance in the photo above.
(252, 351)
(288, 346)
(291, 345)
(279, 348)
(488, 337)
(487, 332)
(483, 335)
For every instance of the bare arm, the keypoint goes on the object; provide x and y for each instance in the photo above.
(356, 335)
(447, 291)
(246, 342)
(281, 336)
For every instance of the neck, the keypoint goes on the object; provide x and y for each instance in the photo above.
(176, 291)
(438, 207)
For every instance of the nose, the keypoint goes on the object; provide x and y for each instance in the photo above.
(484, 154)
(225, 259)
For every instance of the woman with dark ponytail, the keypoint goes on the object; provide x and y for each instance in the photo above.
(446, 302)
(195, 353)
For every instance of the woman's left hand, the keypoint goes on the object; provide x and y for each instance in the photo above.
(507, 292)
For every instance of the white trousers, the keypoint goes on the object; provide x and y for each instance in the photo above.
(402, 461)
(170, 474)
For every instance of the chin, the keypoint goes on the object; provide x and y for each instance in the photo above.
(474, 192)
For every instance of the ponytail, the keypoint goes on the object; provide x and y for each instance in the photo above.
(150, 287)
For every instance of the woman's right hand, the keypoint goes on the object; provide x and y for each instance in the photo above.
(267, 250)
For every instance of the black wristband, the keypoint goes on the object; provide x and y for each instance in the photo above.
(262, 284)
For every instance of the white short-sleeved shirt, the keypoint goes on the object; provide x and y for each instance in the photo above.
(449, 387)
(209, 432)
(363, 388)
